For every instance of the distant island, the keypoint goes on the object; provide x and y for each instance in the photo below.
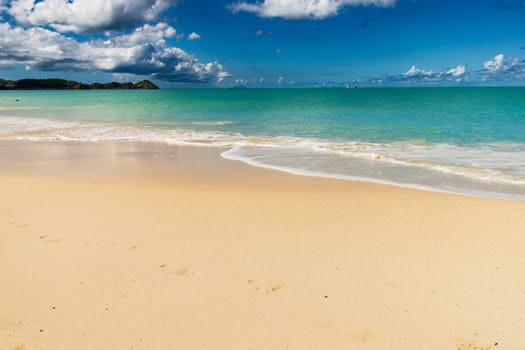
(61, 84)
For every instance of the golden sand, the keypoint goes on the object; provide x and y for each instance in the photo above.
(143, 246)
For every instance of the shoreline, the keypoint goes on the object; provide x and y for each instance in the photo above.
(369, 180)
(225, 153)
(150, 246)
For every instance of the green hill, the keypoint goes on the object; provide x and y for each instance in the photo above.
(61, 84)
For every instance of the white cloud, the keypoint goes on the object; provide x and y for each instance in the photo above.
(142, 52)
(222, 74)
(416, 72)
(503, 68)
(496, 64)
(459, 71)
(458, 74)
(84, 16)
(301, 9)
(280, 80)
(259, 32)
(417, 76)
(125, 77)
(194, 36)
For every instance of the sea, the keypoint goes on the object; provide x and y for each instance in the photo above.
(467, 140)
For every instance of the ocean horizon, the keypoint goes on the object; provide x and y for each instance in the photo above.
(467, 140)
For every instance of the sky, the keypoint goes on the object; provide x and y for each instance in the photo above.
(266, 43)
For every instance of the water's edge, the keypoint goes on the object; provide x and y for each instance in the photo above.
(463, 140)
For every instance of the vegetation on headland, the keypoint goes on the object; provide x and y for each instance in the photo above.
(61, 84)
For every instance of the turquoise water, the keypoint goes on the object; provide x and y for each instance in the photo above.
(465, 140)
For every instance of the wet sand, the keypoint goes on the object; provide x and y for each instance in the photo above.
(149, 246)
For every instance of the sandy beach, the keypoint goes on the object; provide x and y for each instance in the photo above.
(150, 246)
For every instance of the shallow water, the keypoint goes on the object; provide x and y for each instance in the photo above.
(464, 140)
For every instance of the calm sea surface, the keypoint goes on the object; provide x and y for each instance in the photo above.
(465, 140)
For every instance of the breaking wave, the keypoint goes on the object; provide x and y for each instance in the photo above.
(489, 169)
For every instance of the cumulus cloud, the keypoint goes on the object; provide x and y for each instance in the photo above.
(240, 82)
(303, 9)
(499, 68)
(85, 16)
(194, 36)
(415, 72)
(417, 76)
(143, 52)
(459, 73)
(503, 68)
(496, 64)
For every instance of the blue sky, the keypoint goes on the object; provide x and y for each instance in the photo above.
(268, 43)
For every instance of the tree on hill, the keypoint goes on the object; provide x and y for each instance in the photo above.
(61, 84)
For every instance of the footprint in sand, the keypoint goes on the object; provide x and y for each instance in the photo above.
(51, 240)
(133, 248)
(19, 347)
(263, 286)
(183, 272)
(472, 345)
(177, 272)
(365, 337)
(23, 225)
(279, 287)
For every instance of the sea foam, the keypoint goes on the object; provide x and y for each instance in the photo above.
(490, 169)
